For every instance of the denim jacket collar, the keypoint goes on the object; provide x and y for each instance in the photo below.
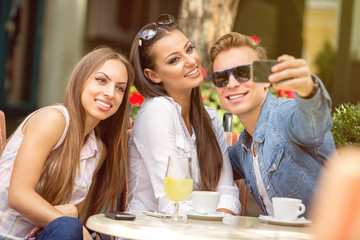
(259, 133)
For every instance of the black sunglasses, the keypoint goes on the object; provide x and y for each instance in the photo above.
(241, 73)
(150, 30)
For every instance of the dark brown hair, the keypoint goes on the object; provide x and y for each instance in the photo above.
(208, 150)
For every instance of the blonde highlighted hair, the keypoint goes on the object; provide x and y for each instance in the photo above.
(232, 40)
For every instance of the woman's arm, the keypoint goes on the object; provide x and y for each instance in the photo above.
(229, 200)
(154, 135)
(41, 133)
(71, 210)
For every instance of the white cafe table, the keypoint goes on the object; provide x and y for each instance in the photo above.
(231, 227)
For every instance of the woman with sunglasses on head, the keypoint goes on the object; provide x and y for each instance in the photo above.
(65, 160)
(173, 120)
(285, 142)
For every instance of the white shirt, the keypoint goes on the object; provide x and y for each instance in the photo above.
(159, 131)
(260, 184)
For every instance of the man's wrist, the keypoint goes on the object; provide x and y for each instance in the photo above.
(315, 89)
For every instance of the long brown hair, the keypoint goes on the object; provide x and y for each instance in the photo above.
(234, 39)
(58, 176)
(210, 162)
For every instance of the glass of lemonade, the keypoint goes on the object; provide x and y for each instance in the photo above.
(178, 183)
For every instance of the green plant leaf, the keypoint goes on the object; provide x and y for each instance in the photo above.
(346, 124)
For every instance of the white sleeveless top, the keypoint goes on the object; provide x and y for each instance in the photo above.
(12, 224)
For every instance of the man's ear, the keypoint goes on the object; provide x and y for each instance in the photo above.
(150, 74)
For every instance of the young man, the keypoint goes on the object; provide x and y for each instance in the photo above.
(285, 142)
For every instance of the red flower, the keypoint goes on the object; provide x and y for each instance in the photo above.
(136, 99)
(286, 93)
(203, 72)
(255, 38)
(280, 93)
(290, 94)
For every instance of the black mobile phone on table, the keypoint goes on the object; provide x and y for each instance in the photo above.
(262, 69)
(119, 215)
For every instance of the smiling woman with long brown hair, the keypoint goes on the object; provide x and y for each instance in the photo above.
(173, 121)
(66, 159)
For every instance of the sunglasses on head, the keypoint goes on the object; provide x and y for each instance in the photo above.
(149, 31)
(241, 73)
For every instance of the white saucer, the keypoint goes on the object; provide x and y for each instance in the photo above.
(298, 222)
(218, 216)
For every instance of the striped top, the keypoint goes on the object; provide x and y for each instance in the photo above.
(12, 224)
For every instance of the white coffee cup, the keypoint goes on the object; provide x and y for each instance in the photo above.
(287, 209)
(205, 202)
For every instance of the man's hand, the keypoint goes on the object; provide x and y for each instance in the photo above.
(296, 74)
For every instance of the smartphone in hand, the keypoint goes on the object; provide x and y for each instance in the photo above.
(119, 215)
(262, 69)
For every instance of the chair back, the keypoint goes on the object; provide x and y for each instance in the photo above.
(227, 122)
(231, 138)
(2, 131)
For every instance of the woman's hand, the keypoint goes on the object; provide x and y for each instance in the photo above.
(225, 211)
(292, 74)
(35, 232)
(66, 209)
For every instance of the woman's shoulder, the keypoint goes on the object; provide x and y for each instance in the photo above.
(157, 105)
(156, 113)
(54, 115)
(47, 123)
(212, 112)
(59, 107)
(214, 117)
(162, 100)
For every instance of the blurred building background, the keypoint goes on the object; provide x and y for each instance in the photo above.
(42, 40)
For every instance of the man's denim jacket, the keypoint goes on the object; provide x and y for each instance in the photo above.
(293, 140)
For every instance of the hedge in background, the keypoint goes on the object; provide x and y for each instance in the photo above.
(346, 128)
